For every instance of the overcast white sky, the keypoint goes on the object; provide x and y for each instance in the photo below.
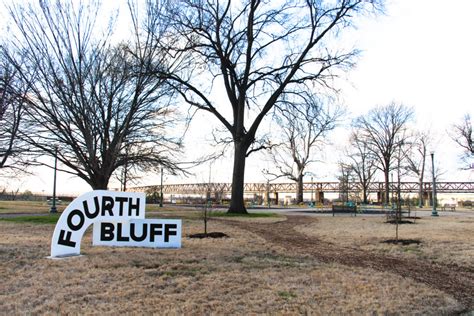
(420, 53)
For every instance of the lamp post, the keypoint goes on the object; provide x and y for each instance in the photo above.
(433, 212)
(391, 188)
(161, 188)
(268, 193)
(53, 206)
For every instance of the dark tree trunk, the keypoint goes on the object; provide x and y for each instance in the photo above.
(237, 199)
(99, 182)
(299, 189)
(387, 187)
(365, 195)
(420, 193)
(420, 180)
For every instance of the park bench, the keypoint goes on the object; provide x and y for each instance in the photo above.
(451, 207)
(50, 201)
(345, 208)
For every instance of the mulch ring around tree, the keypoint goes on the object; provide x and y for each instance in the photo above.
(400, 221)
(209, 235)
(404, 242)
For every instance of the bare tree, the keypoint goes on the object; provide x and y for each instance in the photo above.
(462, 134)
(13, 99)
(91, 98)
(304, 123)
(254, 51)
(416, 160)
(345, 176)
(384, 130)
(362, 162)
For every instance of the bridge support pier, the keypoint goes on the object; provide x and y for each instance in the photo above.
(218, 196)
(275, 194)
(427, 198)
(266, 198)
(380, 195)
(258, 198)
(320, 196)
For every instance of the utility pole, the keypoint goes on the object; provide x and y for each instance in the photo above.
(161, 188)
(53, 207)
(125, 170)
(391, 184)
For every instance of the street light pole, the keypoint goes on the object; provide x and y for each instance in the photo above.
(433, 212)
(125, 168)
(391, 189)
(161, 188)
(53, 207)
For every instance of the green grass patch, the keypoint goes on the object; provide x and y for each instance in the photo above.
(42, 219)
(225, 214)
(26, 207)
(286, 294)
(157, 208)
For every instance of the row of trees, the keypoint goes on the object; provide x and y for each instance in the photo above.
(384, 140)
(105, 103)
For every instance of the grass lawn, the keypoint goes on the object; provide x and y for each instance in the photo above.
(443, 240)
(237, 275)
(28, 207)
(34, 219)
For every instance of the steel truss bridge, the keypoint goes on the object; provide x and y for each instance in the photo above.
(329, 187)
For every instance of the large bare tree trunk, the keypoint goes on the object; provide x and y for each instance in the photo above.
(99, 182)
(420, 182)
(237, 200)
(387, 187)
(299, 189)
(420, 192)
(365, 195)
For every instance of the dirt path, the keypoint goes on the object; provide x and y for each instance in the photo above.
(456, 281)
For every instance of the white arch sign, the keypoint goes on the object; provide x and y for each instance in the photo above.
(118, 219)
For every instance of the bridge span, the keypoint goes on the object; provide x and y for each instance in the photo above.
(308, 187)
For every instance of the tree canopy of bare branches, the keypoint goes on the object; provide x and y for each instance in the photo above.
(93, 99)
(416, 160)
(13, 99)
(345, 175)
(463, 136)
(304, 128)
(362, 162)
(385, 129)
(254, 52)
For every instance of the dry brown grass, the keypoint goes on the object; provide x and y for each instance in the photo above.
(237, 275)
(445, 240)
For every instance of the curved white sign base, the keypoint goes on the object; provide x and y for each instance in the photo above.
(119, 220)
